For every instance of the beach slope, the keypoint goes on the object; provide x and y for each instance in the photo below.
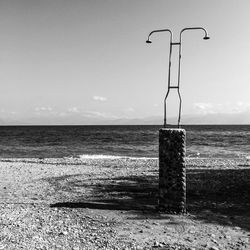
(111, 204)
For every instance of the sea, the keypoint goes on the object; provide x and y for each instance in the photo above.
(135, 141)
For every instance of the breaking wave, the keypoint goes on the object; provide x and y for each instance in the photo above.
(112, 157)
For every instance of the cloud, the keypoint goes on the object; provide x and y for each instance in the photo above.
(241, 107)
(5, 112)
(99, 98)
(221, 108)
(73, 110)
(62, 114)
(96, 114)
(203, 108)
(129, 110)
(43, 109)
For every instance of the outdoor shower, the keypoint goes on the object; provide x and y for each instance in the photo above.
(206, 37)
(172, 145)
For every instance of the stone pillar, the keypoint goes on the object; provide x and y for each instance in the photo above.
(172, 170)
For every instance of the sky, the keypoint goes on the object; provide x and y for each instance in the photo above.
(86, 62)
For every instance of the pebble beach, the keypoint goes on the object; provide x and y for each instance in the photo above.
(73, 203)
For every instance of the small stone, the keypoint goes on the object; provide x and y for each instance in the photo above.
(156, 244)
(207, 211)
(63, 233)
(205, 245)
(155, 223)
(213, 248)
(141, 231)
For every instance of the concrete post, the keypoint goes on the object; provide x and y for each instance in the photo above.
(172, 170)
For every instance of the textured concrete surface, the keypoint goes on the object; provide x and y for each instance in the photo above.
(172, 170)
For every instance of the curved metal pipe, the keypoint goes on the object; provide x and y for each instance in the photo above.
(180, 104)
(163, 30)
(169, 67)
(206, 37)
(165, 109)
(195, 28)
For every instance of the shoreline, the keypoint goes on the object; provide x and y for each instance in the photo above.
(191, 162)
(68, 203)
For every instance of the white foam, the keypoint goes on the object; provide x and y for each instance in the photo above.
(111, 157)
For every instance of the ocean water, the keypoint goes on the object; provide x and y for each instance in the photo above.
(115, 141)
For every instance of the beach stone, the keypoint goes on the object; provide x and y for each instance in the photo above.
(213, 248)
(172, 170)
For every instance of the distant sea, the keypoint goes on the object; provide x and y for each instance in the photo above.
(119, 141)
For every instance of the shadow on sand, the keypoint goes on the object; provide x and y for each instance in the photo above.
(213, 196)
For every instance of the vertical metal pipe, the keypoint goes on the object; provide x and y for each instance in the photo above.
(179, 69)
(179, 66)
(169, 78)
(165, 108)
(179, 117)
(179, 77)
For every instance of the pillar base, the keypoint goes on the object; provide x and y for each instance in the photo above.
(172, 171)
